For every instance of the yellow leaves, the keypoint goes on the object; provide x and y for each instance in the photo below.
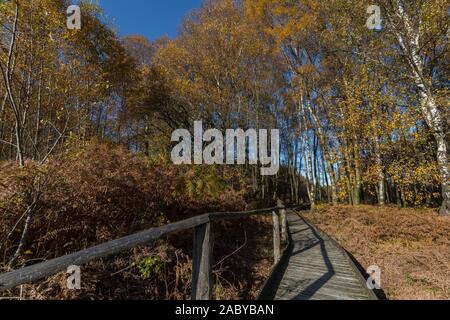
(412, 172)
(434, 12)
(288, 20)
(372, 173)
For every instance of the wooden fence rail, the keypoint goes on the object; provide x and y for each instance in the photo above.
(202, 249)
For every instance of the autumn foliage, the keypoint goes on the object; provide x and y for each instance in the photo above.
(86, 119)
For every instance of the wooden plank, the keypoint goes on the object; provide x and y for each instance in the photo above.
(202, 263)
(292, 292)
(332, 282)
(311, 264)
(238, 215)
(321, 296)
(283, 221)
(306, 276)
(276, 237)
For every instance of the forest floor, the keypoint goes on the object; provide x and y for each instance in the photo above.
(411, 246)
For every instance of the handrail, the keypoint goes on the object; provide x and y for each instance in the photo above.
(202, 257)
(41, 270)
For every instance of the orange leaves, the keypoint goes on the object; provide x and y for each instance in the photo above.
(286, 19)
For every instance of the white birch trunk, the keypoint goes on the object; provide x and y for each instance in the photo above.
(409, 42)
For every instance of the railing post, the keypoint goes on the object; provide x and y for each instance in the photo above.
(202, 262)
(283, 221)
(276, 237)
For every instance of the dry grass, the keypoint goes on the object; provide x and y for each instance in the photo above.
(411, 246)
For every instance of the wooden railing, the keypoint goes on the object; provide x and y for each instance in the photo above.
(202, 249)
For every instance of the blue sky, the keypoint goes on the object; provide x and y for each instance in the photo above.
(151, 18)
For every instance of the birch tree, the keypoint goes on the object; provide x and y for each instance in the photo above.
(421, 30)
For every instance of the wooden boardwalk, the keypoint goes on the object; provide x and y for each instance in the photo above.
(314, 267)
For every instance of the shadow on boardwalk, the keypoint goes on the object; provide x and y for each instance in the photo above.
(309, 291)
(314, 268)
